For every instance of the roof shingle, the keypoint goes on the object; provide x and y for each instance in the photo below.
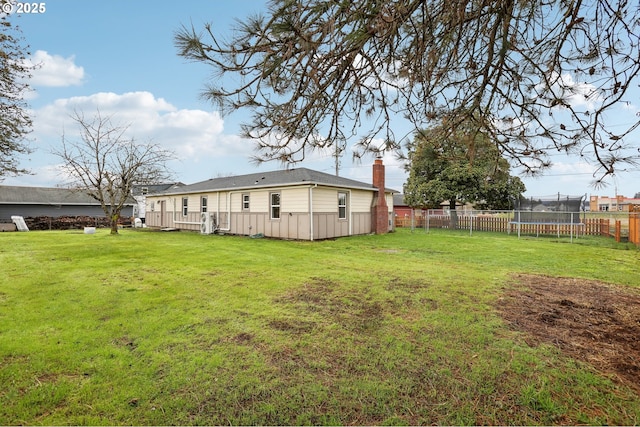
(44, 196)
(289, 177)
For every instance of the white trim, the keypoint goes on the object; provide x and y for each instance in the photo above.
(311, 211)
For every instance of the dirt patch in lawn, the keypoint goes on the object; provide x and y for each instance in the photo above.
(591, 321)
(351, 308)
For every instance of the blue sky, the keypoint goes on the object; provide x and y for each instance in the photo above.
(119, 56)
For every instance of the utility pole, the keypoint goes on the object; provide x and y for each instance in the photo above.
(337, 153)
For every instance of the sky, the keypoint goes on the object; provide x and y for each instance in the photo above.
(118, 56)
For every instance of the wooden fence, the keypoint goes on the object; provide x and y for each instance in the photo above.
(505, 224)
(634, 228)
(618, 225)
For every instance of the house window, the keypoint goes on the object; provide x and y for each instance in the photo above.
(153, 206)
(185, 206)
(342, 205)
(245, 202)
(203, 205)
(145, 191)
(275, 205)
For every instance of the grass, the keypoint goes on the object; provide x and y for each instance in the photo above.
(178, 328)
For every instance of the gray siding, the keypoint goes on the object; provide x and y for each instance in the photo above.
(289, 226)
(361, 223)
(327, 226)
(189, 222)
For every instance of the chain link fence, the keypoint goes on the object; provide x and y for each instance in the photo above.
(523, 222)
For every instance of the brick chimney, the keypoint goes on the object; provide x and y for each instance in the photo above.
(379, 208)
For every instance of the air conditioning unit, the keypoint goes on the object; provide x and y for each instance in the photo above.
(205, 224)
(208, 223)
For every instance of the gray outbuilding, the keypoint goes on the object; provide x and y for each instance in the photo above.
(30, 202)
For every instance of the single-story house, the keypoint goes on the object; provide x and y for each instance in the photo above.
(299, 203)
(140, 192)
(31, 202)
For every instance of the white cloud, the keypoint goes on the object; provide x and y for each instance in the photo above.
(395, 178)
(582, 94)
(576, 94)
(579, 167)
(54, 70)
(565, 177)
(630, 108)
(191, 134)
(42, 175)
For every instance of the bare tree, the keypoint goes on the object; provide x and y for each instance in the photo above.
(15, 122)
(538, 77)
(106, 164)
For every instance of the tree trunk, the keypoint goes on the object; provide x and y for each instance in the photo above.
(453, 214)
(114, 223)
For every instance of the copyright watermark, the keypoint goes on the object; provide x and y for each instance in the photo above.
(34, 8)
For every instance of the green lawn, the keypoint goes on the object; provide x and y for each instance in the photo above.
(179, 328)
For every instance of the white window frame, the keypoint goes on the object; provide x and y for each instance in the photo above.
(273, 206)
(246, 201)
(185, 206)
(342, 208)
(203, 204)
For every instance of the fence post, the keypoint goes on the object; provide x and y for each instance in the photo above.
(413, 215)
(634, 228)
(571, 229)
(426, 224)
(618, 227)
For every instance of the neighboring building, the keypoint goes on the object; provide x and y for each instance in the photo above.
(30, 202)
(403, 211)
(299, 204)
(612, 204)
(140, 192)
(400, 208)
(405, 215)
